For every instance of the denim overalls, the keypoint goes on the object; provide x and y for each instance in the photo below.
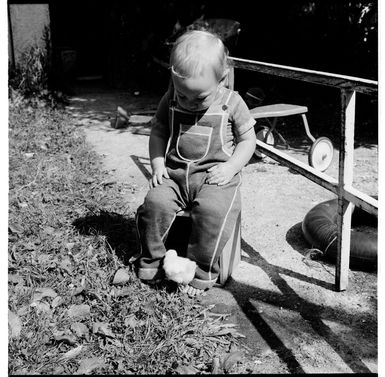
(196, 143)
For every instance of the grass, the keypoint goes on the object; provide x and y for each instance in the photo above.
(75, 304)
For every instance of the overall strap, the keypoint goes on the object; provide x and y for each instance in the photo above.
(171, 105)
(226, 104)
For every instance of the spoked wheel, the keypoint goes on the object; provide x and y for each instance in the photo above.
(261, 133)
(321, 154)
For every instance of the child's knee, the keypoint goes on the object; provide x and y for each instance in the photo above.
(154, 201)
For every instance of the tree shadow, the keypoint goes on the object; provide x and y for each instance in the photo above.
(143, 164)
(296, 239)
(313, 313)
(313, 259)
(120, 232)
(256, 259)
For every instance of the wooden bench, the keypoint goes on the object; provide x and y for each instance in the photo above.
(231, 253)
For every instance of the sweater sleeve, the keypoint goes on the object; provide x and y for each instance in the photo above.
(160, 121)
(240, 116)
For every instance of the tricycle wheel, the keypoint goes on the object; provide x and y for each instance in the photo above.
(321, 153)
(261, 133)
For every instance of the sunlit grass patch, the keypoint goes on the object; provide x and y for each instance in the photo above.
(75, 303)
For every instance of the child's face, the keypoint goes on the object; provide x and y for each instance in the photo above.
(196, 93)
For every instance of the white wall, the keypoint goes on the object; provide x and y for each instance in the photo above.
(27, 23)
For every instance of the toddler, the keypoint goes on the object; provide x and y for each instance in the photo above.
(202, 136)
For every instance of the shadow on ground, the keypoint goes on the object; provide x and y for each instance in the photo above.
(120, 232)
(288, 299)
(296, 239)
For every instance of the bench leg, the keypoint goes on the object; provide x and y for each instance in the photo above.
(231, 253)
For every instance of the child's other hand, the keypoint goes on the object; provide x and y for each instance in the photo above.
(220, 174)
(157, 176)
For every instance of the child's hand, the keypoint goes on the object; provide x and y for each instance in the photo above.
(220, 174)
(157, 176)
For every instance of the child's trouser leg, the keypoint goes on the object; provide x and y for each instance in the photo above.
(214, 213)
(154, 219)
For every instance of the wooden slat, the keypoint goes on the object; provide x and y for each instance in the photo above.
(345, 178)
(358, 198)
(307, 171)
(364, 201)
(316, 77)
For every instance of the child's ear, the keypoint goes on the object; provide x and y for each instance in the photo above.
(224, 79)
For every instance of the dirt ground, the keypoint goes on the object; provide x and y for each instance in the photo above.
(284, 302)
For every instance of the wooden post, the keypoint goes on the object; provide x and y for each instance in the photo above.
(345, 179)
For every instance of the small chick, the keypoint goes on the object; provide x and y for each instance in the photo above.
(178, 269)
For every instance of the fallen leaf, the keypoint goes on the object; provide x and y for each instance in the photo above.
(80, 329)
(66, 265)
(230, 360)
(225, 330)
(191, 342)
(43, 292)
(15, 279)
(215, 366)
(79, 311)
(131, 321)
(23, 310)
(15, 228)
(62, 336)
(121, 277)
(22, 289)
(108, 182)
(58, 370)
(44, 146)
(73, 353)
(102, 329)
(117, 343)
(149, 308)
(29, 246)
(88, 365)
(70, 245)
(186, 369)
(41, 307)
(125, 291)
(14, 324)
(49, 230)
(57, 301)
(76, 291)
(44, 259)
(21, 372)
(89, 180)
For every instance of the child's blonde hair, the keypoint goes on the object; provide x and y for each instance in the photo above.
(195, 50)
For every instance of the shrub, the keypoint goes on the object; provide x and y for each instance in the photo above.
(31, 78)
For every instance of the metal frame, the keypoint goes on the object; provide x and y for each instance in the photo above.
(347, 195)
